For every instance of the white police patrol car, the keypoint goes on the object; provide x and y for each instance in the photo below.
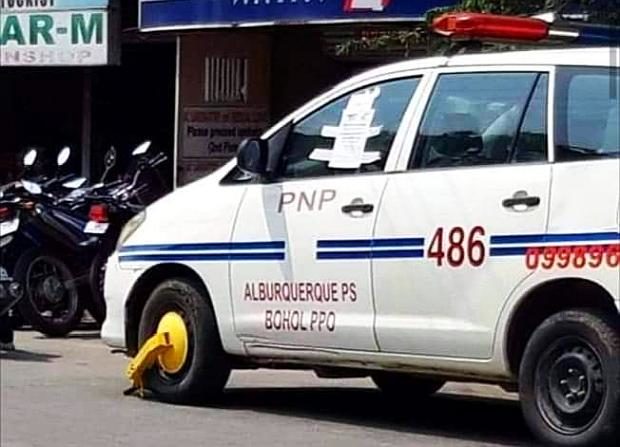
(451, 218)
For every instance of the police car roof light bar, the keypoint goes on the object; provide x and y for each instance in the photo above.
(465, 26)
(491, 27)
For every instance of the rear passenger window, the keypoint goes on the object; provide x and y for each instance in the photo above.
(483, 119)
(587, 113)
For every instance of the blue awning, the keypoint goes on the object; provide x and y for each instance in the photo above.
(180, 14)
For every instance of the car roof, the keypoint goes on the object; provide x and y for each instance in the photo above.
(579, 56)
(582, 56)
(585, 56)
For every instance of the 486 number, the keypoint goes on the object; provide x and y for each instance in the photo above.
(457, 246)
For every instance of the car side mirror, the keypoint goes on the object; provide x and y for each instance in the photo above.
(252, 156)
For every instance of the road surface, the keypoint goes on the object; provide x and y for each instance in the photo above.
(68, 392)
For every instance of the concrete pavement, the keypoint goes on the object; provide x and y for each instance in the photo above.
(68, 392)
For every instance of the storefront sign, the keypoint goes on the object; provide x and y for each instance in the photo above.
(57, 33)
(211, 132)
(157, 14)
(211, 136)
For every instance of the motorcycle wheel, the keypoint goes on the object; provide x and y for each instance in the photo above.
(17, 319)
(96, 304)
(51, 302)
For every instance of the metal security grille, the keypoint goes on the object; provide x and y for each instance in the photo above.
(226, 80)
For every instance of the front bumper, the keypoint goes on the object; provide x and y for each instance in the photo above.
(117, 288)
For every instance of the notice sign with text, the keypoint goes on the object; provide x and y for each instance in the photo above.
(215, 132)
(58, 33)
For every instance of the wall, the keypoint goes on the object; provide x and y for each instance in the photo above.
(135, 102)
(39, 107)
(194, 156)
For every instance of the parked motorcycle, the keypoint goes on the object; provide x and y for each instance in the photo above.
(9, 223)
(112, 206)
(46, 248)
(65, 233)
(10, 291)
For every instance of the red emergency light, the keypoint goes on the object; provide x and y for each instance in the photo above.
(467, 25)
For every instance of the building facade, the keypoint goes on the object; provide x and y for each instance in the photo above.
(78, 73)
(243, 64)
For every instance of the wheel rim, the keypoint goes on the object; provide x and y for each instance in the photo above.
(50, 288)
(570, 385)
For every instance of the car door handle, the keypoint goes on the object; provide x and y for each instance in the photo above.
(358, 207)
(528, 201)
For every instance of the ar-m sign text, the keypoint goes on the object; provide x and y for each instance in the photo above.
(52, 35)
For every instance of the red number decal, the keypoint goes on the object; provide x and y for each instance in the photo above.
(436, 248)
(475, 248)
(456, 252)
(532, 258)
(579, 257)
(596, 253)
(549, 254)
(613, 255)
(564, 256)
(462, 247)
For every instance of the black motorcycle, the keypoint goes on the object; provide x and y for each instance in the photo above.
(11, 291)
(66, 233)
(45, 254)
(110, 208)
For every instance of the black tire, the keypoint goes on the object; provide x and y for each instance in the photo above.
(17, 320)
(96, 302)
(403, 386)
(569, 380)
(55, 318)
(206, 370)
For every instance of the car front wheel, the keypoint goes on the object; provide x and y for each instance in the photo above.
(195, 368)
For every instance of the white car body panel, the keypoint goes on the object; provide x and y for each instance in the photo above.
(351, 309)
(448, 311)
(170, 222)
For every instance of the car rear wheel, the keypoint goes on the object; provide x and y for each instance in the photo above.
(195, 368)
(569, 380)
(401, 386)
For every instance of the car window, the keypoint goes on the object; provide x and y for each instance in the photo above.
(352, 134)
(474, 119)
(587, 113)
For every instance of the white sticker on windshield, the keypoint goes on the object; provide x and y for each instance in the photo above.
(352, 133)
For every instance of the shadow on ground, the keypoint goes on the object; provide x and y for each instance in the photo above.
(27, 356)
(483, 420)
(81, 334)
